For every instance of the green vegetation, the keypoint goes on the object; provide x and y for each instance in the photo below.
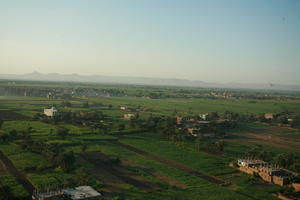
(11, 189)
(58, 152)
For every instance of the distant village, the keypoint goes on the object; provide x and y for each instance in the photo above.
(195, 125)
(13, 89)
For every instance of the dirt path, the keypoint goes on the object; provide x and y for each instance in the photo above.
(10, 167)
(171, 163)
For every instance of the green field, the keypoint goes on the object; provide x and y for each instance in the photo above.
(39, 172)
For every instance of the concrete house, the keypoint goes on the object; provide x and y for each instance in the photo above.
(178, 120)
(203, 116)
(266, 172)
(269, 116)
(82, 193)
(129, 116)
(123, 108)
(51, 112)
(77, 193)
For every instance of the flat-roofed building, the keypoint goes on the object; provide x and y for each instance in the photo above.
(51, 112)
(129, 116)
(77, 193)
(268, 116)
(82, 193)
(123, 108)
(267, 172)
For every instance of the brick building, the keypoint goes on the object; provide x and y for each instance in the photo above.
(267, 172)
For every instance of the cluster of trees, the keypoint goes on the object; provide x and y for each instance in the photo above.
(240, 117)
(7, 194)
(146, 91)
(136, 122)
(214, 147)
(72, 117)
(279, 118)
(296, 122)
(166, 126)
(24, 91)
(84, 178)
(14, 134)
(66, 103)
(53, 153)
(61, 131)
(217, 128)
(163, 125)
(282, 119)
(61, 92)
(228, 115)
(101, 127)
(284, 160)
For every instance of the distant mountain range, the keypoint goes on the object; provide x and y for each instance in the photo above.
(36, 76)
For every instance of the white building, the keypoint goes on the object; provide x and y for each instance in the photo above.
(82, 193)
(203, 116)
(128, 116)
(77, 193)
(123, 107)
(51, 112)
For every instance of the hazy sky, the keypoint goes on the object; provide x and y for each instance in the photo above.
(218, 41)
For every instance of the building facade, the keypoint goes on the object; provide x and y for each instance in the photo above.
(51, 112)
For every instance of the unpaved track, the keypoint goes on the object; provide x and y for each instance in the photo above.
(171, 163)
(10, 167)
